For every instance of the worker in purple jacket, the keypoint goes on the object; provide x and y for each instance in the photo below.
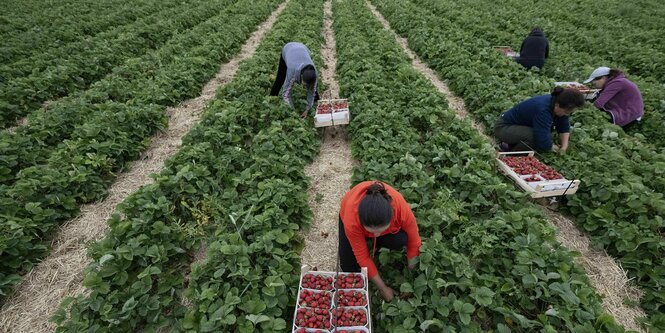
(296, 67)
(619, 97)
(528, 125)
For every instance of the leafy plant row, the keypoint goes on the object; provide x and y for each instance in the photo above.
(567, 61)
(164, 76)
(614, 204)
(645, 154)
(80, 169)
(637, 49)
(60, 72)
(489, 261)
(38, 31)
(237, 185)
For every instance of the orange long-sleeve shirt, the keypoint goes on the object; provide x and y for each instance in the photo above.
(403, 219)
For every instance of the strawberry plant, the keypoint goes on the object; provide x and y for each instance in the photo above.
(56, 74)
(33, 29)
(79, 170)
(237, 185)
(607, 174)
(488, 260)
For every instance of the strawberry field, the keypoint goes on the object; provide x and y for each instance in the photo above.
(214, 243)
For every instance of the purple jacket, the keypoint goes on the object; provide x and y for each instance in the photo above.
(622, 99)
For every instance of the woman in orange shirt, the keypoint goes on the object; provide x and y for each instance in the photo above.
(375, 210)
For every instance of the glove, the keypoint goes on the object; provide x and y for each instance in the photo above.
(593, 96)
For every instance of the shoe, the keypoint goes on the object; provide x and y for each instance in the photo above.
(503, 147)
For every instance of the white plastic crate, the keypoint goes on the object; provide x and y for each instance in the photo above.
(337, 115)
(507, 51)
(584, 89)
(537, 189)
(367, 328)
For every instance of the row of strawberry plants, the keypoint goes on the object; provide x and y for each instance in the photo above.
(643, 160)
(238, 184)
(18, 13)
(80, 169)
(644, 157)
(164, 76)
(489, 261)
(43, 60)
(650, 15)
(566, 61)
(255, 265)
(617, 42)
(640, 158)
(615, 205)
(621, 43)
(60, 72)
(40, 31)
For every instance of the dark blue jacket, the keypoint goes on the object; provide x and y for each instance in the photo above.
(534, 50)
(538, 113)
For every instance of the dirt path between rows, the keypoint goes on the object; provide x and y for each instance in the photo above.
(607, 277)
(330, 172)
(60, 274)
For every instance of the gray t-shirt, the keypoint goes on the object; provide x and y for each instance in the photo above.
(296, 56)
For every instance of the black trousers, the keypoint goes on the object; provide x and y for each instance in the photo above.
(347, 259)
(625, 127)
(279, 80)
(281, 76)
(518, 138)
(528, 63)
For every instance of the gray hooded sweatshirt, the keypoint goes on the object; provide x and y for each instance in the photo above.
(296, 56)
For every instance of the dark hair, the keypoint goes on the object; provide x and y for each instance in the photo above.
(309, 75)
(614, 72)
(536, 30)
(375, 209)
(568, 98)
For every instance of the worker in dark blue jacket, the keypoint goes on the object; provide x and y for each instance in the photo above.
(528, 125)
(534, 50)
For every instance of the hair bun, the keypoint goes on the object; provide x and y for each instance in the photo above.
(377, 188)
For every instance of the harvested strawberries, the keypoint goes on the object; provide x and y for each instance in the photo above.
(313, 299)
(349, 281)
(304, 330)
(351, 298)
(313, 318)
(324, 109)
(532, 179)
(339, 106)
(349, 317)
(318, 282)
(350, 331)
(551, 174)
(529, 165)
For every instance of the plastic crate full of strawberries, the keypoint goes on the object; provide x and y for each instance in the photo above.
(332, 302)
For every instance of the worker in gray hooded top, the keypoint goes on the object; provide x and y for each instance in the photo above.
(296, 67)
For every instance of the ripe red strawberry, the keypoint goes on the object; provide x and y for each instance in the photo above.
(351, 298)
(313, 318)
(349, 317)
(324, 109)
(317, 281)
(312, 299)
(349, 281)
